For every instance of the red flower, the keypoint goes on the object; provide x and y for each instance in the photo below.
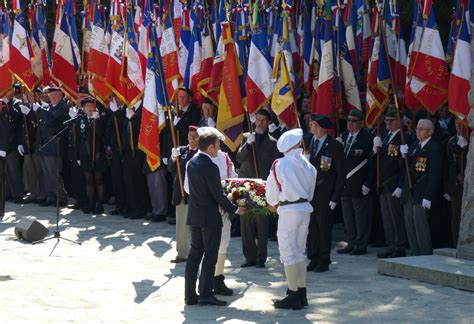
(235, 195)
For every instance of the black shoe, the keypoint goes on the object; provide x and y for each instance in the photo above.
(99, 209)
(212, 301)
(358, 252)
(46, 203)
(347, 249)
(157, 218)
(248, 264)
(397, 254)
(137, 215)
(384, 254)
(77, 205)
(312, 265)
(220, 287)
(191, 300)
(260, 265)
(62, 204)
(147, 217)
(321, 268)
(291, 301)
(303, 297)
(178, 260)
(28, 200)
(18, 200)
(87, 210)
(171, 220)
(114, 212)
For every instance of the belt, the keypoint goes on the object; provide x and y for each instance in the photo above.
(299, 201)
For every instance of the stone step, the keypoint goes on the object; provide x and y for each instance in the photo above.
(435, 269)
(445, 252)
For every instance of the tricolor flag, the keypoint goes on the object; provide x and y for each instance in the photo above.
(154, 100)
(169, 55)
(316, 61)
(36, 63)
(428, 72)
(40, 22)
(132, 61)
(207, 58)
(258, 83)
(65, 62)
(5, 74)
(193, 66)
(21, 52)
(143, 37)
(242, 43)
(184, 41)
(459, 85)
(231, 108)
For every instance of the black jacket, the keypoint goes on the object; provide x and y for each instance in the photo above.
(329, 162)
(185, 155)
(454, 167)
(90, 150)
(360, 150)
(426, 168)
(28, 129)
(9, 126)
(205, 194)
(130, 133)
(114, 129)
(191, 117)
(51, 121)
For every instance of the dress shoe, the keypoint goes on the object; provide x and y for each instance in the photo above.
(291, 301)
(178, 260)
(18, 200)
(157, 218)
(260, 265)
(248, 264)
(137, 215)
(40, 201)
(347, 249)
(192, 300)
(28, 200)
(312, 265)
(398, 254)
(147, 217)
(77, 205)
(321, 268)
(358, 252)
(303, 297)
(220, 287)
(46, 203)
(212, 301)
(114, 212)
(99, 209)
(384, 254)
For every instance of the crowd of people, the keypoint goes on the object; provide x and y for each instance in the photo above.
(397, 185)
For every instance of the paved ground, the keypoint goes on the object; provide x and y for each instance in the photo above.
(122, 272)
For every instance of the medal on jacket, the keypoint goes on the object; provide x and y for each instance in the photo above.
(392, 150)
(421, 164)
(325, 163)
(83, 127)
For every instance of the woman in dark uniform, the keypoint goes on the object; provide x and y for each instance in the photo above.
(91, 155)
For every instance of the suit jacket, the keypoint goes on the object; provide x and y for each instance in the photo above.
(185, 155)
(50, 123)
(9, 126)
(28, 129)
(329, 162)
(426, 167)
(205, 193)
(130, 133)
(266, 152)
(86, 143)
(360, 150)
(192, 116)
(454, 167)
(113, 130)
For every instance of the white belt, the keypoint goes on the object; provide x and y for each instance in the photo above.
(357, 168)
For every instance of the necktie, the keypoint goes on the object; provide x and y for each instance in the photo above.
(348, 145)
(315, 147)
(387, 139)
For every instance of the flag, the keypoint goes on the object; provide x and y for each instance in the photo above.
(184, 42)
(428, 72)
(459, 85)
(193, 65)
(40, 22)
(132, 60)
(65, 62)
(231, 110)
(21, 52)
(316, 62)
(5, 74)
(258, 83)
(283, 101)
(87, 20)
(207, 58)
(142, 27)
(154, 100)
(242, 44)
(36, 63)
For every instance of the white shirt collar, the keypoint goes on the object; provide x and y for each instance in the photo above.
(424, 142)
(185, 108)
(392, 134)
(354, 135)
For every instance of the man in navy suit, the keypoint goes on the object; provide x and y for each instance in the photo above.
(205, 220)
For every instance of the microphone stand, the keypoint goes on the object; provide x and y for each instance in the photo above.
(57, 138)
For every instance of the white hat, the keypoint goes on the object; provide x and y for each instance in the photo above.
(289, 139)
(206, 130)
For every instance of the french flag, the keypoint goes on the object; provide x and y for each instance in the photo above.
(36, 63)
(193, 66)
(459, 85)
(132, 60)
(207, 58)
(316, 62)
(21, 52)
(169, 55)
(308, 51)
(184, 41)
(259, 87)
(143, 35)
(5, 74)
(43, 42)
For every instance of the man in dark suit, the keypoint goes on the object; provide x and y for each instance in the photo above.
(327, 156)
(425, 157)
(189, 114)
(391, 165)
(357, 144)
(3, 155)
(205, 220)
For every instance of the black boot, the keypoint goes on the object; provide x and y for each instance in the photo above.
(292, 301)
(303, 298)
(220, 288)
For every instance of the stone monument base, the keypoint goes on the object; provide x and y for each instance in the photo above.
(466, 251)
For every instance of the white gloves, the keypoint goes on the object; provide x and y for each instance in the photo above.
(176, 121)
(462, 141)
(377, 143)
(426, 204)
(272, 127)
(397, 193)
(211, 122)
(332, 205)
(24, 109)
(404, 149)
(250, 138)
(174, 153)
(36, 106)
(137, 105)
(72, 113)
(365, 190)
(447, 196)
(3, 154)
(165, 161)
(95, 115)
(339, 139)
(129, 114)
(113, 105)
(79, 162)
(21, 150)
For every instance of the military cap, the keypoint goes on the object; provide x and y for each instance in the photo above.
(322, 121)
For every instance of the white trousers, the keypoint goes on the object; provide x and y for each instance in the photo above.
(292, 234)
(225, 237)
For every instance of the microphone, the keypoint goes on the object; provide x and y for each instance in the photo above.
(80, 113)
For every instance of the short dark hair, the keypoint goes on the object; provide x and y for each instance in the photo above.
(207, 140)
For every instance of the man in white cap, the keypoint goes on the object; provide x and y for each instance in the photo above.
(290, 186)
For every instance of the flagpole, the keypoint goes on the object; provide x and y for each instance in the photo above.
(395, 97)
(254, 153)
